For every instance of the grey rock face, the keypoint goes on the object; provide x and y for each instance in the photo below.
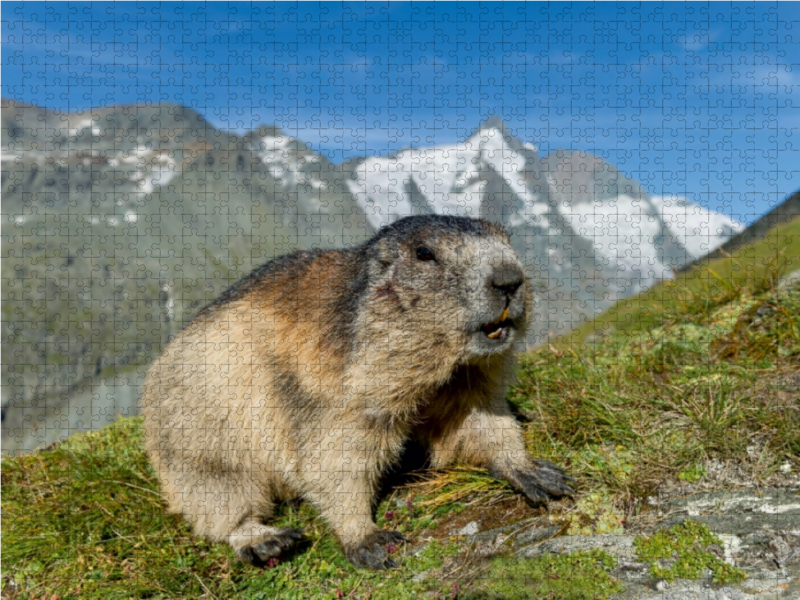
(760, 531)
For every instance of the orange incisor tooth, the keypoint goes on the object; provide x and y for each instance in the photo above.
(496, 334)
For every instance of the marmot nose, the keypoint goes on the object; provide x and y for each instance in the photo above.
(508, 279)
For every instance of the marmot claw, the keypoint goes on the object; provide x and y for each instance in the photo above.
(543, 482)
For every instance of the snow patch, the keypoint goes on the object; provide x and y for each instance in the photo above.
(152, 170)
(285, 162)
(700, 231)
(448, 179)
(624, 230)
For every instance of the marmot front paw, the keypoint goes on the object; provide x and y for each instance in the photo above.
(371, 552)
(542, 481)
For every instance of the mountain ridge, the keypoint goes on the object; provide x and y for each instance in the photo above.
(121, 222)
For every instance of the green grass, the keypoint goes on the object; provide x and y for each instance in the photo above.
(657, 404)
(85, 520)
(693, 371)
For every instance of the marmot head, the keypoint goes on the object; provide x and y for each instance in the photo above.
(454, 279)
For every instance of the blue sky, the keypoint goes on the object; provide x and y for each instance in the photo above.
(699, 100)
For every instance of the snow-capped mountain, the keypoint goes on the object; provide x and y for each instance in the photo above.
(587, 234)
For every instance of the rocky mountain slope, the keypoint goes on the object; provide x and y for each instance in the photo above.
(119, 223)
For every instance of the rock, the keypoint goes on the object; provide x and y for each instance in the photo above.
(536, 534)
(619, 545)
(759, 531)
(738, 513)
(470, 528)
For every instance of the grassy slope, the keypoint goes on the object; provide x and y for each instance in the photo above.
(750, 269)
(696, 373)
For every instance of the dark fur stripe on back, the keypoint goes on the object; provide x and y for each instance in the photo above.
(296, 261)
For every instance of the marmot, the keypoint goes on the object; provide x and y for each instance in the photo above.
(306, 378)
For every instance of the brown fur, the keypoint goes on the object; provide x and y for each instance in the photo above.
(307, 378)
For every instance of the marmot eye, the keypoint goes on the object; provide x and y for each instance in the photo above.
(424, 254)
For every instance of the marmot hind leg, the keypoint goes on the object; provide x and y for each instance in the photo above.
(231, 508)
(251, 540)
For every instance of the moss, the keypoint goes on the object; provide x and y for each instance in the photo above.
(692, 473)
(584, 574)
(686, 551)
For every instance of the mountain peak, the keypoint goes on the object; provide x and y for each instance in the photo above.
(494, 122)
